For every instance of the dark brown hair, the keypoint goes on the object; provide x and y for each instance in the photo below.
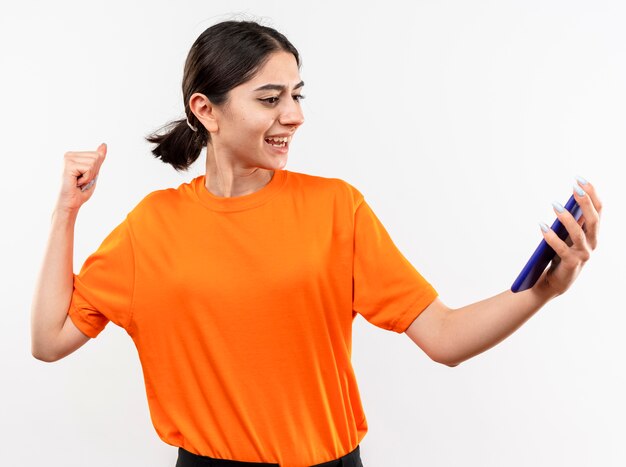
(224, 56)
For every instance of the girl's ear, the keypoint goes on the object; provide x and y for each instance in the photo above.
(204, 111)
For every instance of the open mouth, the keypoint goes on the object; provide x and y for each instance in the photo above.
(282, 142)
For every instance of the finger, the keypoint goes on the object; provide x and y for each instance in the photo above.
(591, 207)
(591, 191)
(552, 239)
(93, 159)
(87, 156)
(574, 230)
(89, 185)
(581, 222)
(102, 150)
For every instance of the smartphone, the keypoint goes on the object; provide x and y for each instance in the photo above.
(544, 252)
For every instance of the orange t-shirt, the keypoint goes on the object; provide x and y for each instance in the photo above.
(241, 311)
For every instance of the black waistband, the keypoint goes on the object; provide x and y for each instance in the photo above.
(189, 459)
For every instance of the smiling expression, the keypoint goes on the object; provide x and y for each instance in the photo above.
(255, 127)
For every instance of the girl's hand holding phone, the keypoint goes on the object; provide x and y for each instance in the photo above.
(574, 252)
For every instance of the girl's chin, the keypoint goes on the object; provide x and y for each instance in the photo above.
(277, 162)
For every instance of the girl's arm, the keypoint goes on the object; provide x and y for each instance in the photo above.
(53, 334)
(452, 336)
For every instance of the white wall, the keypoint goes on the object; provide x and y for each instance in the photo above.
(459, 121)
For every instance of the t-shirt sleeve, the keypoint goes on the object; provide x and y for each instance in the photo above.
(103, 288)
(387, 290)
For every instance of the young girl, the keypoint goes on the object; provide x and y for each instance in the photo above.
(239, 288)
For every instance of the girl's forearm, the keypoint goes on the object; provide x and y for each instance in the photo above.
(472, 329)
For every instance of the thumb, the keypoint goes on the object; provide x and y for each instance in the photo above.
(102, 149)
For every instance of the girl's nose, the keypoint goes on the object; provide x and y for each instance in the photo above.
(292, 115)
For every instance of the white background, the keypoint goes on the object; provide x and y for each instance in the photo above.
(459, 121)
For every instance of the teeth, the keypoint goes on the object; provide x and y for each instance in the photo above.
(279, 140)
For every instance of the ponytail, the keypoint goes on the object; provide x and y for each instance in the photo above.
(179, 146)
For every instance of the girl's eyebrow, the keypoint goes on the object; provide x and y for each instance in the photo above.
(278, 87)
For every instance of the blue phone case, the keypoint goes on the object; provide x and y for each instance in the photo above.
(544, 252)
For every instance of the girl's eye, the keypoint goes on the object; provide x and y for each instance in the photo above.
(273, 100)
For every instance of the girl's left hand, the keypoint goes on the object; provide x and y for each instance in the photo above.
(576, 251)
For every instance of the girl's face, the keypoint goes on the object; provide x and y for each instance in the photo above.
(256, 125)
